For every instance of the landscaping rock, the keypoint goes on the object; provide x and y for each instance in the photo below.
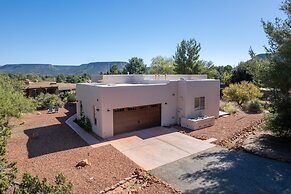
(82, 163)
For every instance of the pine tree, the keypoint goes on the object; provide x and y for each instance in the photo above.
(186, 57)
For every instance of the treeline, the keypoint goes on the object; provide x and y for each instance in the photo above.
(186, 61)
(59, 78)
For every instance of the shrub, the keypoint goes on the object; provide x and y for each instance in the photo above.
(241, 93)
(253, 106)
(32, 184)
(228, 107)
(48, 100)
(278, 121)
(85, 123)
(71, 97)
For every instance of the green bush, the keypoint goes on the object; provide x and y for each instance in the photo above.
(71, 97)
(33, 185)
(278, 121)
(253, 106)
(228, 107)
(241, 93)
(48, 100)
(85, 123)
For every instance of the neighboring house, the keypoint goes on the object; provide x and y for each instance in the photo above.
(120, 103)
(33, 89)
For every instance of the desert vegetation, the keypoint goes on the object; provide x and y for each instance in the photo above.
(13, 103)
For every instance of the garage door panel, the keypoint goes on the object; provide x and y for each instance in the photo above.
(135, 118)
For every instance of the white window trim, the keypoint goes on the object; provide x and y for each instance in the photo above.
(200, 107)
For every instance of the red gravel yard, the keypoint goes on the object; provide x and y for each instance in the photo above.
(226, 127)
(44, 145)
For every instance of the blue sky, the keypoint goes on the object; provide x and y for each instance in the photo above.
(80, 31)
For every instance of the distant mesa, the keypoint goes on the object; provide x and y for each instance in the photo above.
(52, 70)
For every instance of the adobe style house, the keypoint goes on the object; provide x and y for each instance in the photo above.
(33, 89)
(120, 103)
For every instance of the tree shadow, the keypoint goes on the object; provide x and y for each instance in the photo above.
(53, 138)
(227, 171)
(270, 146)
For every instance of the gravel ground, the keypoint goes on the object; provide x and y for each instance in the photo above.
(43, 145)
(156, 188)
(267, 145)
(226, 127)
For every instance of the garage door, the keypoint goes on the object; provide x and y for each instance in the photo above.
(135, 118)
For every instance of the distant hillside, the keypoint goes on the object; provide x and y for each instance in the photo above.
(49, 69)
(262, 56)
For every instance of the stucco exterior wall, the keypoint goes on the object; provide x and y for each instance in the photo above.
(129, 96)
(88, 95)
(200, 88)
(176, 99)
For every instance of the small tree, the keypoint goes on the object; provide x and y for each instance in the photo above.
(162, 65)
(241, 93)
(71, 97)
(207, 68)
(186, 57)
(135, 66)
(114, 69)
(48, 100)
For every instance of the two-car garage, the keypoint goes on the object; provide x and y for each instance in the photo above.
(136, 118)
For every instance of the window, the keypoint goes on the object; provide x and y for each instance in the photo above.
(199, 103)
(94, 115)
(81, 108)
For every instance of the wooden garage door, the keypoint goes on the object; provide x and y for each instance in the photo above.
(135, 118)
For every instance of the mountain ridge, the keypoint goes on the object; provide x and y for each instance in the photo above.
(52, 70)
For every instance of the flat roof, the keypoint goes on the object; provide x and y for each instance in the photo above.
(122, 84)
(158, 83)
(60, 86)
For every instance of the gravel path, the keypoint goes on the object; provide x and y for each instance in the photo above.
(43, 145)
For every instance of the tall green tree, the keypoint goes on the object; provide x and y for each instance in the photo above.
(162, 65)
(278, 72)
(186, 57)
(224, 73)
(135, 65)
(207, 68)
(114, 69)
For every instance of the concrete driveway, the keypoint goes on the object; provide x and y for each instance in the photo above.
(218, 170)
(154, 147)
(149, 148)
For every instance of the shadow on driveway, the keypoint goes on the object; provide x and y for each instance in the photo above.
(219, 170)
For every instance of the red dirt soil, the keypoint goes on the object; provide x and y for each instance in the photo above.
(226, 127)
(43, 145)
